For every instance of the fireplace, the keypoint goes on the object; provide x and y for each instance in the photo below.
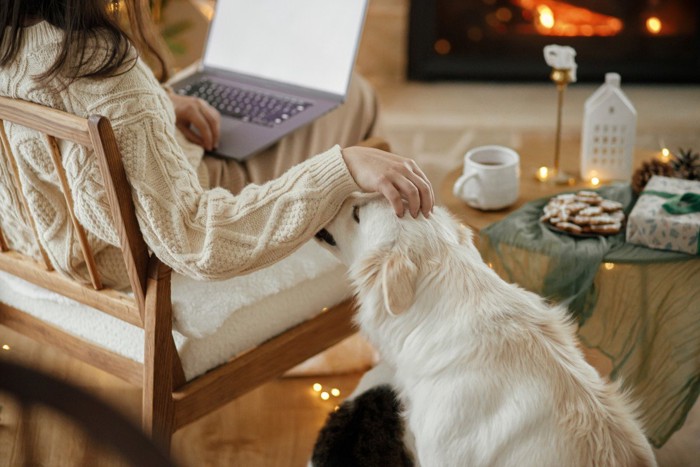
(652, 41)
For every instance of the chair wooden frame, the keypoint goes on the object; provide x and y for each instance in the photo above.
(168, 401)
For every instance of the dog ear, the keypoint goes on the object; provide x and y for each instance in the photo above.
(464, 235)
(399, 275)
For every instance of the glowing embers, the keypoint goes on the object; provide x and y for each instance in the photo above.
(653, 25)
(555, 18)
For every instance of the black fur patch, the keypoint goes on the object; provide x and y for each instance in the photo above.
(364, 432)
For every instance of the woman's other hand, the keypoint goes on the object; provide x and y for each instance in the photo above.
(198, 121)
(397, 178)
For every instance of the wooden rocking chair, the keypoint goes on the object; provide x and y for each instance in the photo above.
(169, 401)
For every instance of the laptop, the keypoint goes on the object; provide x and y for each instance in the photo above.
(272, 66)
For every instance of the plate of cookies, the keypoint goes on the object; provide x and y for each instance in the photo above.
(583, 214)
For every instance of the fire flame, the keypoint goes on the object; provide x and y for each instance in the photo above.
(545, 16)
(653, 25)
(557, 18)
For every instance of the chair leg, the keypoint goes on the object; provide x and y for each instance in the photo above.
(159, 354)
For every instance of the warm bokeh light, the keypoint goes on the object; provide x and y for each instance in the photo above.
(325, 396)
(542, 174)
(609, 266)
(545, 16)
(335, 392)
(504, 14)
(653, 25)
(442, 46)
(317, 387)
(113, 8)
(595, 181)
(665, 155)
(5, 347)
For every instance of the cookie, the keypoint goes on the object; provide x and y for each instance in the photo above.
(607, 228)
(582, 220)
(576, 206)
(568, 227)
(589, 197)
(563, 199)
(610, 206)
(590, 211)
(601, 220)
(618, 216)
(587, 193)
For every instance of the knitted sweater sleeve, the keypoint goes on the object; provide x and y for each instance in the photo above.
(212, 234)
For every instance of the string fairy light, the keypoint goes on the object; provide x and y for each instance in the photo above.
(543, 174)
(325, 394)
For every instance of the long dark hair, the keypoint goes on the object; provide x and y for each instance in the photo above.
(111, 24)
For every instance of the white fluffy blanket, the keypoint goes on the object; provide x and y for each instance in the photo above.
(200, 308)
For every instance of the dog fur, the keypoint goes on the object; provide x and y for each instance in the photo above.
(489, 373)
(364, 431)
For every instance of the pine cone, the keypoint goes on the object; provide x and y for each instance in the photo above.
(648, 169)
(686, 164)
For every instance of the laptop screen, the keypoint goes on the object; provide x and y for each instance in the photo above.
(308, 43)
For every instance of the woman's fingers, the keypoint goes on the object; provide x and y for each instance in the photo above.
(409, 192)
(430, 194)
(389, 191)
(397, 178)
(200, 122)
(190, 135)
(213, 118)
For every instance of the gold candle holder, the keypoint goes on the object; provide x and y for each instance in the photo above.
(561, 78)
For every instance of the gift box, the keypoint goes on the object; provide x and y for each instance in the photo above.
(667, 215)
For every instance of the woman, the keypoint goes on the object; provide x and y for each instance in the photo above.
(74, 56)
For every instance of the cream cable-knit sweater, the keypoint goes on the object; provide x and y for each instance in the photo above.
(207, 234)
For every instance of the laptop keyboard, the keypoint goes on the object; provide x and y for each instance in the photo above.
(246, 105)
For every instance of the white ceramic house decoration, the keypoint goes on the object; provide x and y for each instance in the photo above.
(609, 131)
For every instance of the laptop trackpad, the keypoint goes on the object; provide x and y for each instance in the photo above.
(237, 139)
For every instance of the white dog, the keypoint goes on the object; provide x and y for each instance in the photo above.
(489, 374)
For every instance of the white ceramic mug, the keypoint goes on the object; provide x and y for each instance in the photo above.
(490, 179)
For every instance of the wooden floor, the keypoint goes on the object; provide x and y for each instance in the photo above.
(275, 425)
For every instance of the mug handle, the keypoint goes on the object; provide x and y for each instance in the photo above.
(459, 184)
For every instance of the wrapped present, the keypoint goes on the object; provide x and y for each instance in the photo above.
(667, 216)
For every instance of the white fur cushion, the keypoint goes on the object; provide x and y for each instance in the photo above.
(213, 321)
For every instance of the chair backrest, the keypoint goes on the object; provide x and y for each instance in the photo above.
(94, 133)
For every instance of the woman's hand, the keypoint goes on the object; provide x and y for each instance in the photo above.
(397, 178)
(199, 121)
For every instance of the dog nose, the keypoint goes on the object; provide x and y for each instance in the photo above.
(325, 236)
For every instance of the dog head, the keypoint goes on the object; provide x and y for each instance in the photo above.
(388, 255)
